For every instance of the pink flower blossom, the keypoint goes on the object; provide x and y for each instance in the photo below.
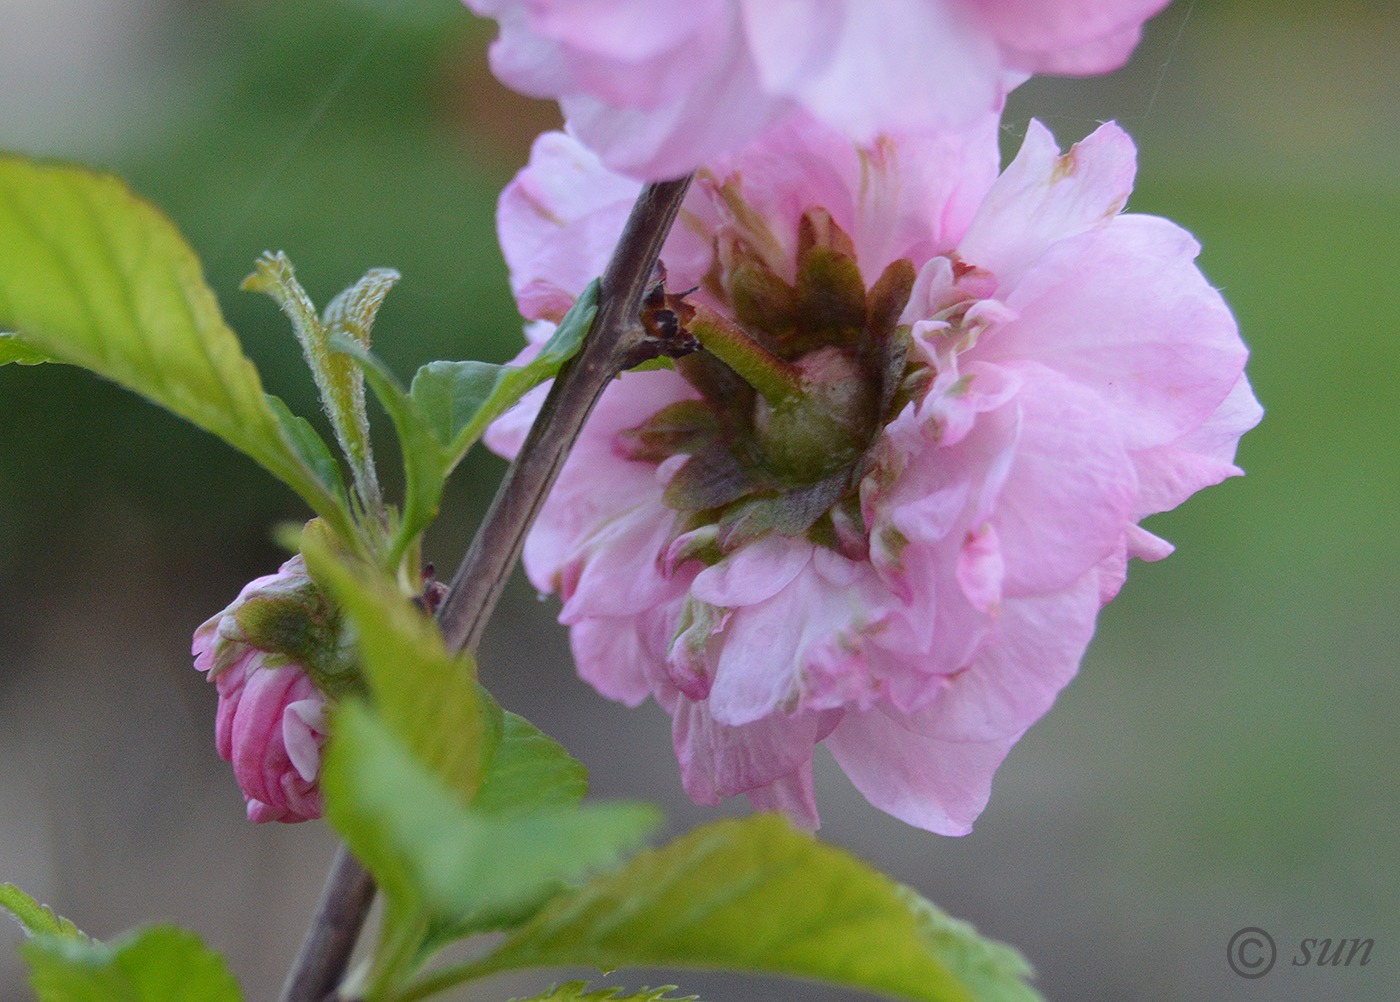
(1026, 372)
(270, 723)
(659, 86)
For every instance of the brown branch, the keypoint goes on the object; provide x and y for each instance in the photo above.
(330, 939)
(615, 333)
(614, 339)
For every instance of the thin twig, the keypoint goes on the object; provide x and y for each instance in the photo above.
(484, 570)
(330, 939)
(481, 577)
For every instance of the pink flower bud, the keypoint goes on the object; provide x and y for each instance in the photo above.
(271, 718)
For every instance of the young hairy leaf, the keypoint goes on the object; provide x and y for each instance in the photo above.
(93, 276)
(425, 459)
(156, 964)
(338, 379)
(577, 991)
(470, 870)
(34, 918)
(755, 895)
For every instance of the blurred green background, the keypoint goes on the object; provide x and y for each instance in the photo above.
(1227, 757)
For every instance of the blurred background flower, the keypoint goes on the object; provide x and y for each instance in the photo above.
(1227, 755)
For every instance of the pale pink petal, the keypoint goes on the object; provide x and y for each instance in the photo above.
(558, 221)
(658, 88)
(1169, 474)
(940, 786)
(753, 574)
(1044, 197)
(1067, 498)
(847, 59)
(609, 655)
(617, 570)
(1031, 653)
(981, 568)
(698, 125)
(1071, 37)
(303, 728)
(1145, 546)
(1126, 312)
(722, 761)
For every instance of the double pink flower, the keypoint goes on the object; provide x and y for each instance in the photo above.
(1069, 371)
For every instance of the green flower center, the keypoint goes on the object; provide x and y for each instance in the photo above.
(794, 391)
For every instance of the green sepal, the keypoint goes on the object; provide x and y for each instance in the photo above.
(93, 276)
(156, 964)
(36, 919)
(756, 895)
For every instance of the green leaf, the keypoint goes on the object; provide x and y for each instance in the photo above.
(157, 964)
(310, 447)
(354, 806)
(471, 870)
(755, 895)
(989, 969)
(529, 771)
(459, 399)
(577, 991)
(12, 349)
(93, 276)
(568, 337)
(36, 919)
(449, 394)
(430, 699)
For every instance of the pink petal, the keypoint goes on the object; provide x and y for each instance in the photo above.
(1069, 493)
(845, 59)
(721, 761)
(1169, 474)
(1043, 198)
(1031, 653)
(754, 573)
(793, 795)
(940, 786)
(558, 221)
(609, 654)
(1071, 37)
(1126, 312)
